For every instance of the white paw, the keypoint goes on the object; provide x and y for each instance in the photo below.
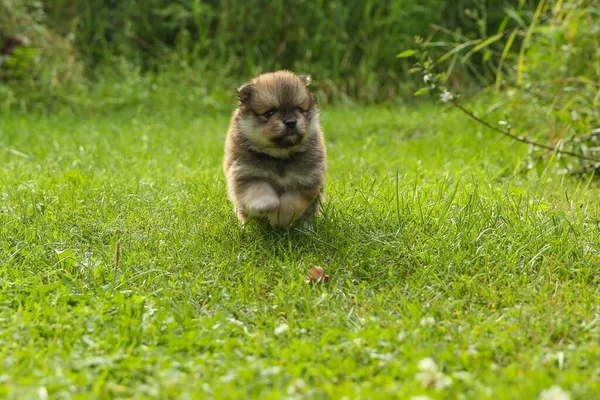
(259, 199)
(261, 206)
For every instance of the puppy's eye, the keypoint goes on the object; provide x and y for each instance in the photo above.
(270, 113)
(300, 110)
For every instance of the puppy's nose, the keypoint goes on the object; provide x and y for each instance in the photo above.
(290, 123)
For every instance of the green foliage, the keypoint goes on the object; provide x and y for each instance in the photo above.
(36, 64)
(560, 73)
(546, 71)
(348, 46)
(433, 250)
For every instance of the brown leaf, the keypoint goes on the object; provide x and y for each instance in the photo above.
(316, 275)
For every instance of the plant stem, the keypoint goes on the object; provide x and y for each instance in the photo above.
(521, 138)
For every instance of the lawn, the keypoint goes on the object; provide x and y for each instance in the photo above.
(454, 272)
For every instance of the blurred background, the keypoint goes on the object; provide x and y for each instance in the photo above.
(97, 55)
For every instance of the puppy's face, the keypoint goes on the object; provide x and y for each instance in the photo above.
(277, 113)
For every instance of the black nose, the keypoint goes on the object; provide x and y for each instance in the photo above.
(290, 123)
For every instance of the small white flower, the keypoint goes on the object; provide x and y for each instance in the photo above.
(574, 115)
(431, 379)
(42, 393)
(443, 381)
(462, 376)
(235, 321)
(230, 376)
(472, 350)
(446, 96)
(420, 398)
(296, 387)
(280, 329)
(430, 376)
(560, 357)
(427, 78)
(555, 393)
(269, 371)
(427, 321)
(427, 364)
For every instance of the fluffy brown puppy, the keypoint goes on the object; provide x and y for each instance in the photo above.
(275, 157)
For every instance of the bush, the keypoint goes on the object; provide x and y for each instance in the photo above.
(546, 70)
(348, 46)
(36, 64)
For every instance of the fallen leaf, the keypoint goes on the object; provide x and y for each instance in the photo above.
(316, 275)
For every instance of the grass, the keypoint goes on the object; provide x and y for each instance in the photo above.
(437, 241)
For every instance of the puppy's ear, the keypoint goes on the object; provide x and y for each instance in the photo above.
(306, 79)
(244, 92)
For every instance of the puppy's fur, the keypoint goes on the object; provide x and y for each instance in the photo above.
(275, 156)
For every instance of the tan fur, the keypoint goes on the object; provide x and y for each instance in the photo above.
(274, 169)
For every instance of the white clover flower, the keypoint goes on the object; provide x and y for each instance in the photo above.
(230, 376)
(269, 371)
(280, 329)
(442, 382)
(430, 376)
(462, 376)
(436, 380)
(555, 393)
(42, 393)
(235, 321)
(297, 386)
(401, 336)
(574, 115)
(427, 78)
(427, 364)
(446, 96)
(427, 321)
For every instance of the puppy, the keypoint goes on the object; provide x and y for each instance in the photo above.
(275, 158)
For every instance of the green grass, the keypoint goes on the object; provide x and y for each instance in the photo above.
(438, 244)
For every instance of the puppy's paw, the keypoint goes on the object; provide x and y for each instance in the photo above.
(292, 206)
(262, 205)
(258, 199)
(277, 220)
(242, 217)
